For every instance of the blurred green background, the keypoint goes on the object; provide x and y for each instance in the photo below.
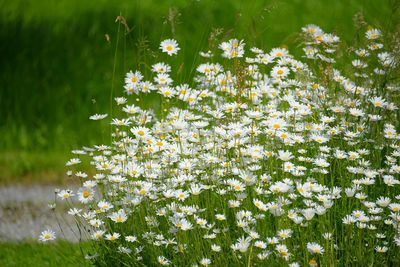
(60, 59)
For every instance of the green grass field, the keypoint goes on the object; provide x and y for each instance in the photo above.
(33, 254)
(57, 66)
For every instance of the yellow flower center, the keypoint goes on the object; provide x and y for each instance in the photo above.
(312, 262)
(85, 194)
(276, 126)
(142, 191)
(159, 143)
(284, 253)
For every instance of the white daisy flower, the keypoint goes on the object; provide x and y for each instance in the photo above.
(96, 117)
(47, 235)
(169, 46)
(315, 248)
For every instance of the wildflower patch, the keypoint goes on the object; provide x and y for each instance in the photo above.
(262, 160)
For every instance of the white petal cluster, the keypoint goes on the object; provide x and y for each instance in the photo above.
(258, 160)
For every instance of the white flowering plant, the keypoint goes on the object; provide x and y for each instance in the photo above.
(262, 160)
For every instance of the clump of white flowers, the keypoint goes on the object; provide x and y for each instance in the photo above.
(264, 160)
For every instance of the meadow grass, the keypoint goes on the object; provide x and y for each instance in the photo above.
(36, 254)
(57, 65)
